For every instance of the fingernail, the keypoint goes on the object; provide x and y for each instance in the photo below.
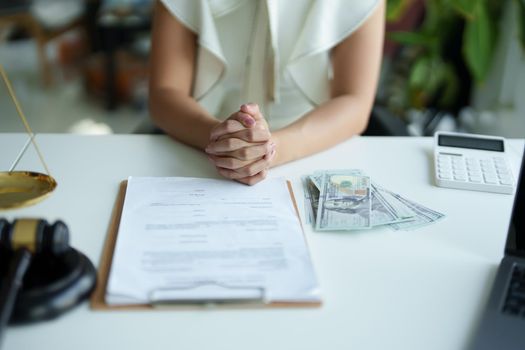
(248, 121)
(248, 106)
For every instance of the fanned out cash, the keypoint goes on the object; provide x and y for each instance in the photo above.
(348, 200)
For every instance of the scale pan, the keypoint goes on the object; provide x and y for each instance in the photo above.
(24, 188)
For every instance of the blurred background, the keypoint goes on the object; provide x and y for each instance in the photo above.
(81, 66)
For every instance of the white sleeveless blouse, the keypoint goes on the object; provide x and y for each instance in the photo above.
(275, 53)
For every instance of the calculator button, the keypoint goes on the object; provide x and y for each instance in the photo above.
(505, 180)
(460, 177)
(491, 179)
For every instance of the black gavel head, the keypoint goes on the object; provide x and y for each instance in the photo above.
(35, 235)
(59, 276)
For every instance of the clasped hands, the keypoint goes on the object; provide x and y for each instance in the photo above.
(241, 147)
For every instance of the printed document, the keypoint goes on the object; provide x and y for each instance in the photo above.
(198, 240)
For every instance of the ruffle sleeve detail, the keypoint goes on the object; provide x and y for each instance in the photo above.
(328, 23)
(198, 16)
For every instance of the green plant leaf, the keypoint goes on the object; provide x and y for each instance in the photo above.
(478, 42)
(521, 22)
(450, 87)
(464, 7)
(427, 79)
(419, 73)
(413, 38)
(395, 9)
(432, 81)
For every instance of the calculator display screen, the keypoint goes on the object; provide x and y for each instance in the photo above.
(471, 142)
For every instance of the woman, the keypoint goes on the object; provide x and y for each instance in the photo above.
(304, 73)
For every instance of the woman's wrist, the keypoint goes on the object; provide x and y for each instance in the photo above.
(211, 124)
(279, 155)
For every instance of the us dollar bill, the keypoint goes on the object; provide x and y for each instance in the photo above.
(423, 216)
(381, 213)
(396, 209)
(387, 208)
(344, 202)
(317, 176)
(311, 199)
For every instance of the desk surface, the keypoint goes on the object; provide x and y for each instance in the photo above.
(422, 289)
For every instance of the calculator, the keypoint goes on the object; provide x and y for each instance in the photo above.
(472, 162)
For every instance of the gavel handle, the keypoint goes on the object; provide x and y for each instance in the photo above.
(11, 285)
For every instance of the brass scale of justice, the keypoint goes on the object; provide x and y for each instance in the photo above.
(23, 188)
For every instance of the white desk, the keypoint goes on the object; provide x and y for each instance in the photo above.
(423, 289)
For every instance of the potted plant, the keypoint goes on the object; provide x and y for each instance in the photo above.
(450, 52)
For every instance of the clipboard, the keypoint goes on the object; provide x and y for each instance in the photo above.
(97, 300)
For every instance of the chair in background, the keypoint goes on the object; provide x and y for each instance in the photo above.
(42, 20)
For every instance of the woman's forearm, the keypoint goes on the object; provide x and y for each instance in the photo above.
(356, 62)
(327, 125)
(181, 117)
(173, 55)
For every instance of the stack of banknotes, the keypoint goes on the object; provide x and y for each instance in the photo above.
(349, 200)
